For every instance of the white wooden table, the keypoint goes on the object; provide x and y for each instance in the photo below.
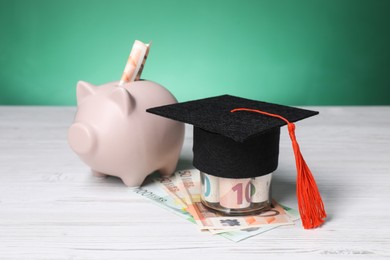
(51, 207)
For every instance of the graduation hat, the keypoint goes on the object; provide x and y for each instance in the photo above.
(239, 138)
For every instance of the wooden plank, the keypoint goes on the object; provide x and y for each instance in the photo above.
(52, 208)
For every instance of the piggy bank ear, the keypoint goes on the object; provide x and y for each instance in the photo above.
(84, 89)
(123, 99)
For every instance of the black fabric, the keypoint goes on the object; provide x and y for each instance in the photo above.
(213, 115)
(223, 157)
(233, 145)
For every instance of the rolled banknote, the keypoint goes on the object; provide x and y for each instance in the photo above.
(261, 188)
(207, 219)
(235, 193)
(210, 189)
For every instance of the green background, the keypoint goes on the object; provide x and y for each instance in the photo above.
(290, 52)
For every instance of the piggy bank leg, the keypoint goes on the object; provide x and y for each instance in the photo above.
(133, 180)
(98, 174)
(168, 169)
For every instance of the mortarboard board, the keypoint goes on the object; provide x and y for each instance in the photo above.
(239, 138)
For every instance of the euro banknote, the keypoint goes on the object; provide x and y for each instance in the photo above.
(165, 193)
(188, 189)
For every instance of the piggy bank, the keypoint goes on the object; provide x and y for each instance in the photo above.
(114, 135)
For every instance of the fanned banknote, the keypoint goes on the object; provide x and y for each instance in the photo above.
(188, 189)
(166, 193)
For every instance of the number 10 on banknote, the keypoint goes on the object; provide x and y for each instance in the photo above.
(236, 196)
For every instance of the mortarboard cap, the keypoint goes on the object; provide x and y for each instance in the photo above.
(239, 138)
(233, 145)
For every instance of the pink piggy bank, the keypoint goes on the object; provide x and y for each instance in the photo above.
(114, 135)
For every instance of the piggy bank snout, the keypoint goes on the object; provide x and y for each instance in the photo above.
(81, 138)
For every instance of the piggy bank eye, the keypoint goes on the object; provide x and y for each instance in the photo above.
(84, 89)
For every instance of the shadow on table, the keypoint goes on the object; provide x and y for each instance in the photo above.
(184, 164)
(284, 189)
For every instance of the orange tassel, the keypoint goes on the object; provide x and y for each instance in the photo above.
(311, 207)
